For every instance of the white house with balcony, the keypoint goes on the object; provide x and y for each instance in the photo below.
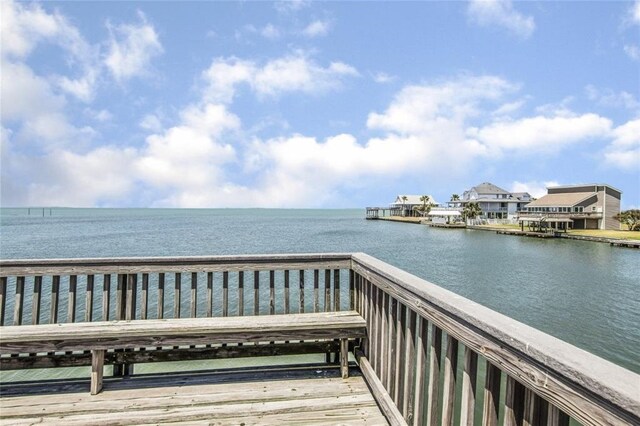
(495, 202)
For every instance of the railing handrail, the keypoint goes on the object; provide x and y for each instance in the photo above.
(605, 382)
(79, 266)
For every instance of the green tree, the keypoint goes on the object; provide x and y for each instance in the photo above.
(631, 218)
(471, 211)
(455, 197)
(404, 199)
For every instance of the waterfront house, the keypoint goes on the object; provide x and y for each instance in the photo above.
(406, 203)
(587, 206)
(495, 202)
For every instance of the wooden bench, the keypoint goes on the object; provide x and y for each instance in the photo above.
(99, 337)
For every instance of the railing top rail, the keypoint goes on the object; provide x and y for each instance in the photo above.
(12, 267)
(599, 376)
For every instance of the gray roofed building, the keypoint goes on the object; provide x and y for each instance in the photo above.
(495, 202)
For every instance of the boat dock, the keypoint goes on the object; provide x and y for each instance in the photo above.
(388, 346)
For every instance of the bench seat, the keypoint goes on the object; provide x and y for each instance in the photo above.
(101, 336)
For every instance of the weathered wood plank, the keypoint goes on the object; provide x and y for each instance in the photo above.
(449, 384)
(469, 380)
(272, 292)
(18, 301)
(106, 297)
(144, 301)
(491, 395)
(71, 305)
(421, 369)
(316, 290)
(513, 403)
(301, 289)
(393, 354)
(209, 294)
(29, 267)
(401, 356)
(177, 290)
(256, 293)
(37, 300)
(336, 290)
(374, 331)
(88, 303)
(410, 367)
(435, 356)
(352, 280)
(225, 294)
(240, 293)
(161, 282)
(286, 295)
(344, 358)
(327, 290)
(131, 296)
(3, 299)
(97, 371)
(176, 332)
(384, 346)
(194, 295)
(556, 417)
(384, 399)
(55, 297)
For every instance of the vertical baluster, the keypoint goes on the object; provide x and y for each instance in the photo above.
(352, 302)
(286, 292)
(88, 303)
(241, 293)
(449, 386)
(3, 299)
(144, 303)
(120, 297)
(194, 295)
(301, 307)
(410, 367)
(106, 296)
(55, 297)
(535, 409)
(469, 378)
(373, 330)
(392, 337)
(73, 290)
(209, 294)
(256, 293)
(161, 295)
(336, 290)
(131, 294)
(316, 290)
(369, 318)
(272, 292)
(435, 357)
(176, 295)
(384, 340)
(491, 395)
(402, 356)
(37, 298)
(556, 417)
(421, 361)
(225, 293)
(18, 301)
(513, 403)
(327, 290)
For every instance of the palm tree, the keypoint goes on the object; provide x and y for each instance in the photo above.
(471, 211)
(426, 204)
(404, 199)
(455, 197)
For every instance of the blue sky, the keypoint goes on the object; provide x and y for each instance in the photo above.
(314, 104)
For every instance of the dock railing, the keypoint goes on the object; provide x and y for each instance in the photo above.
(430, 356)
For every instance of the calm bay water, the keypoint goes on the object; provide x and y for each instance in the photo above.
(585, 293)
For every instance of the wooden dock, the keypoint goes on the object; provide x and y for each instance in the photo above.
(407, 336)
(445, 225)
(311, 394)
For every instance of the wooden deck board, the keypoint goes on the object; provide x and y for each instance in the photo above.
(304, 397)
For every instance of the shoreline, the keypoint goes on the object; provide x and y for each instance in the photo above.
(618, 242)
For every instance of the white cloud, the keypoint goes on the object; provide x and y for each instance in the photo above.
(291, 6)
(624, 151)
(131, 49)
(541, 134)
(535, 188)
(292, 73)
(152, 123)
(634, 13)
(609, 98)
(317, 29)
(501, 13)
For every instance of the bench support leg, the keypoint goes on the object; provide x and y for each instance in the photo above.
(97, 370)
(344, 358)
